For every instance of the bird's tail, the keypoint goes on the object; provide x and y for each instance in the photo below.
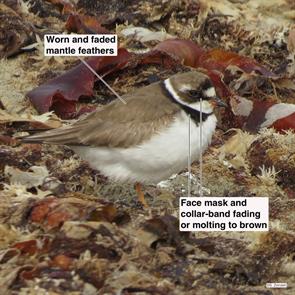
(53, 136)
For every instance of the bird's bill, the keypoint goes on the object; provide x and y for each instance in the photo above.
(217, 102)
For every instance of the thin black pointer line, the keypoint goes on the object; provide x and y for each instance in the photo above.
(102, 80)
(189, 154)
(201, 154)
(189, 168)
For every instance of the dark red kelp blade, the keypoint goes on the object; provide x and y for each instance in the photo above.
(192, 55)
(256, 114)
(219, 59)
(185, 51)
(85, 24)
(73, 84)
(285, 123)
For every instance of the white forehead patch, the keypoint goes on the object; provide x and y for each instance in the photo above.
(210, 92)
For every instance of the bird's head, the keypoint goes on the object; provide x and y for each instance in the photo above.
(192, 88)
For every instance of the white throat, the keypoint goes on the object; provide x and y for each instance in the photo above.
(204, 108)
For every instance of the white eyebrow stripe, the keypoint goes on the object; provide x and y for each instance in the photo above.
(210, 92)
(170, 88)
(185, 87)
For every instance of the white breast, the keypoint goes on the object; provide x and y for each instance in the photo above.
(164, 154)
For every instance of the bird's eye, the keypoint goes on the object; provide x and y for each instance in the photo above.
(195, 93)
